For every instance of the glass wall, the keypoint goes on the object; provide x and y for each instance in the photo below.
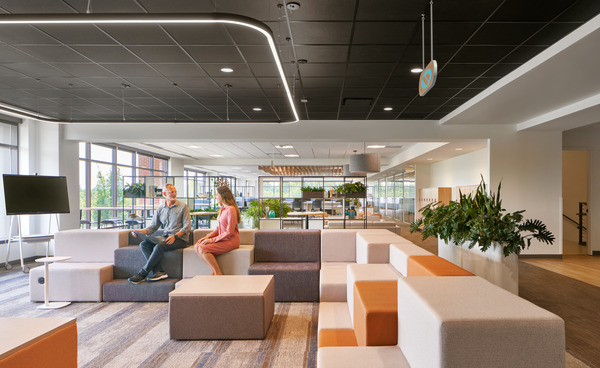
(394, 196)
(101, 172)
(9, 164)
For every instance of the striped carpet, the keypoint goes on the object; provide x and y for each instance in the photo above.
(136, 334)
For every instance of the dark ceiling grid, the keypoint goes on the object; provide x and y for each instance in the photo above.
(348, 53)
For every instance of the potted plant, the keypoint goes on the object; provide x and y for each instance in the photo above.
(134, 190)
(312, 192)
(254, 211)
(351, 190)
(478, 223)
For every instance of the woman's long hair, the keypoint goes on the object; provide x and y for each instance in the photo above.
(229, 200)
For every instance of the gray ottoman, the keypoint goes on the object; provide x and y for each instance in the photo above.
(222, 307)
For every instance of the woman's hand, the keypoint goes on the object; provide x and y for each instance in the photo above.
(205, 240)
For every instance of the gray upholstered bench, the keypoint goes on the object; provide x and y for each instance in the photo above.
(222, 307)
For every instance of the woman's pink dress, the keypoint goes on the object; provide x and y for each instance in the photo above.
(226, 236)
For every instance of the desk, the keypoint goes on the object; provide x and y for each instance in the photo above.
(314, 213)
(202, 215)
(47, 304)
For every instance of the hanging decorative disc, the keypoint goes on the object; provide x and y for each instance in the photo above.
(428, 77)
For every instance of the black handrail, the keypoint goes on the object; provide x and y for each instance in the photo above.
(573, 221)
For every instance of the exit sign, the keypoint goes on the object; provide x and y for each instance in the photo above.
(428, 77)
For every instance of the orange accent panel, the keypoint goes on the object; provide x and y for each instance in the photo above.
(337, 338)
(433, 266)
(376, 313)
(57, 350)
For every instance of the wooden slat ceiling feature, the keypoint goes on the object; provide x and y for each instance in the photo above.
(303, 170)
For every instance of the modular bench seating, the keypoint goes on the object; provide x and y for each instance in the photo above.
(420, 310)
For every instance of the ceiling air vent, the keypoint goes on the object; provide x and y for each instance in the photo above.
(355, 101)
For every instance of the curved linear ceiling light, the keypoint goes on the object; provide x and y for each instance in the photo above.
(199, 18)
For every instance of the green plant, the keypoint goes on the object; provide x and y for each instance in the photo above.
(480, 219)
(312, 189)
(252, 211)
(348, 188)
(134, 190)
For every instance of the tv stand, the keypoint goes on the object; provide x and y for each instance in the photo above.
(37, 238)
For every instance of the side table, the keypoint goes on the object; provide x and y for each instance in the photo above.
(46, 261)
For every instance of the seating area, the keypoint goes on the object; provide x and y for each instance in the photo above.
(380, 296)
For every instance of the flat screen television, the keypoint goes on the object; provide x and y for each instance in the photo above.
(35, 194)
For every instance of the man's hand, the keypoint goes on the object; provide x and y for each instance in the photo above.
(170, 239)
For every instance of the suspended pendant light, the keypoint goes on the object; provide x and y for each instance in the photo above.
(365, 162)
(347, 172)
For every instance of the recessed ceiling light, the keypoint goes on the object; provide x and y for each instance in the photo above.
(216, 155)
(284, 146)
(459, 149)
(227, 70)
(256, 109)
(292, 155)
(376, 146)
(388, 108)
(416, 70)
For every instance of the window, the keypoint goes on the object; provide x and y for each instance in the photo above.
(9, 164)
(102, 169)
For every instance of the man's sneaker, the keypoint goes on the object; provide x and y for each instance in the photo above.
(157, 276)
(137, 279)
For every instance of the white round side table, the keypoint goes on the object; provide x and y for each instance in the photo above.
(47, 304)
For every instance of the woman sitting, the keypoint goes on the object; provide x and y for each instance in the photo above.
(226, 236)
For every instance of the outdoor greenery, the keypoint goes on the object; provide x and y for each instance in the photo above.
(480, 219)
(134, 190)
(252, 211)
(312, 189)
(349, 188)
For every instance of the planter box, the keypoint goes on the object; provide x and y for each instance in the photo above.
(356, 195)
(309, 195)
(491, 264)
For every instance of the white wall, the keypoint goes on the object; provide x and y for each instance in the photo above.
(461, 170)
(588, 138)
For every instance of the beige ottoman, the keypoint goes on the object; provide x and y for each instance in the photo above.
(222, 307)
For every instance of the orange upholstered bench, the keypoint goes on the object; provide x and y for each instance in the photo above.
(376, 313)
(433, 266)
(39, 342)
(337, 338)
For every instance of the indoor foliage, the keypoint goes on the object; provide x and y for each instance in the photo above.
(480, 219)
(311, 189)
(252, 211)
(349, 188)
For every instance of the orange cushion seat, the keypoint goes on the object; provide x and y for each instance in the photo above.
(376, 313)
(433, 266)
(337, 338)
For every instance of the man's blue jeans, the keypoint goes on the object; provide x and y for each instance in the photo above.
(154, 253)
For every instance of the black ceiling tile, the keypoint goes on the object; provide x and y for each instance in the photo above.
(530, 11)
(551, 33)
(160, 54)
(214, 54)
(391, 10)
(214, 70)
(269, 69)
(452, 82)
(463, 70)
(70, 34)
(315, 107)
(457, 101)
(413, 116)
(446, 33)
(504, 33)
(364, 82)
(37, 70)
(375, 53)
(355, 109)
(257, 54)
(53, 53)
(483, 82)
(11, 55)
(322, 82)
(107, 54)
(468, 11)
(441, 53)
(361, 92)
(352, 116)
(154, 82)
(180, 70)
(83, 69)
(421, 109)
(131, 70)
(6, 72)
(523, 54)
(500, 70)
(323, 115)
(404, 82)
(393, 101)
(322, 69)
(237, 83)
(319, 11)
(198, 35)
(104, 81)
(322, 54)
(396, 33)
(400, 92)
(428, 100)
(580, 11)
(24, 34)
(436, 116)
(314, 33)
(242, 36)
(24, 83)
(16, 6)
(481, 54)
(330, 94)
(270, 82)
(436, 91)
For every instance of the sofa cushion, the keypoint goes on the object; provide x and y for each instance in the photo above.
(121, 290)
(89, 245)
(433, 266)
(129, 261)
(294, 281)
(287, 245)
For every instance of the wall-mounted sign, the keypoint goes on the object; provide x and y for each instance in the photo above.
(428, 77)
